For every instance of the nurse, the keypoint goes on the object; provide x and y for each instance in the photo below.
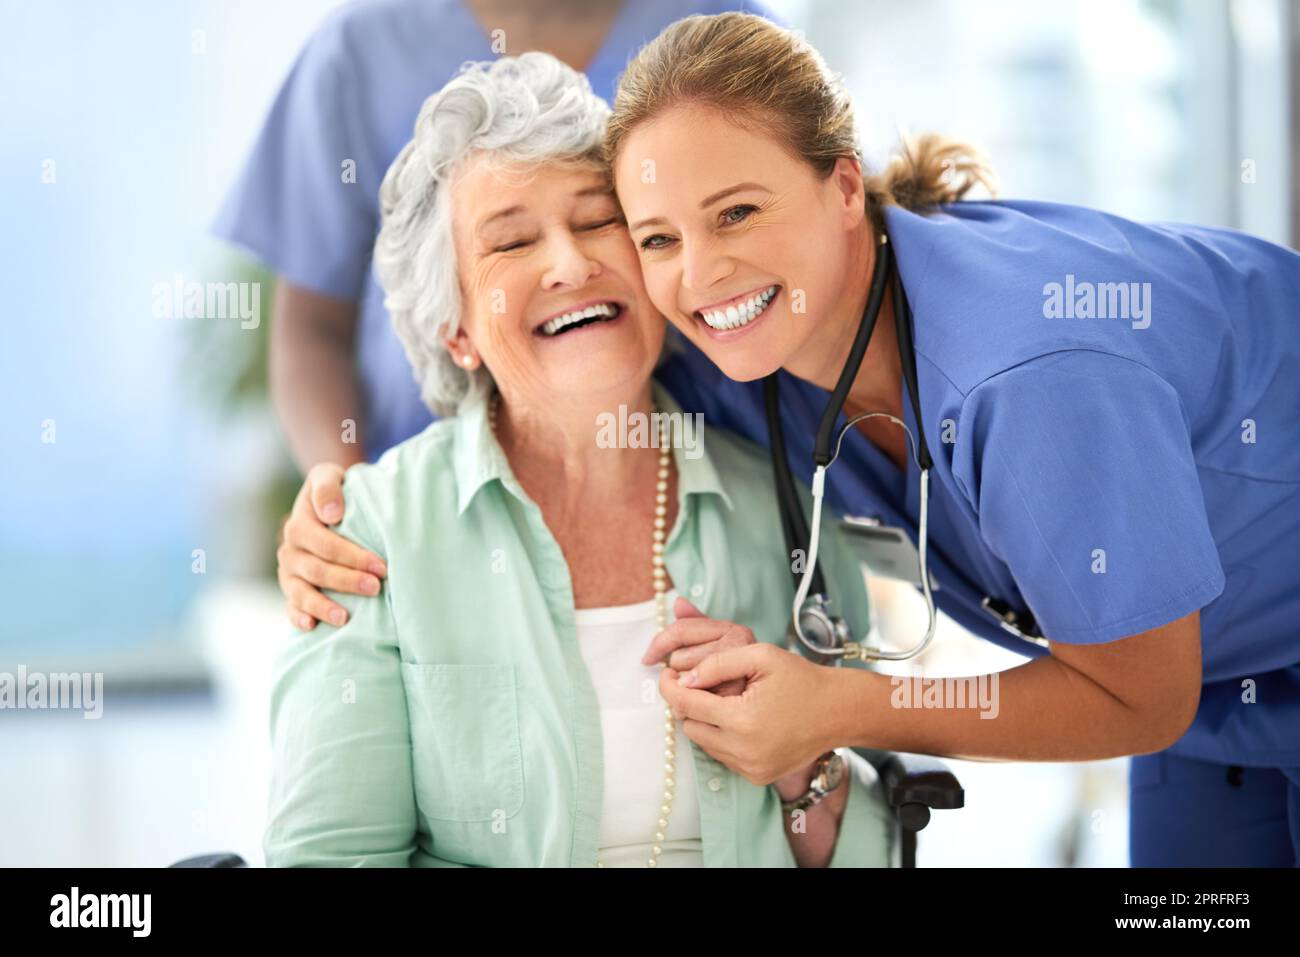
(1113, 410)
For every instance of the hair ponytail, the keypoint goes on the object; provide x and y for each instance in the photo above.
(927, 171)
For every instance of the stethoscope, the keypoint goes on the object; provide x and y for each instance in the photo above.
(824, 635)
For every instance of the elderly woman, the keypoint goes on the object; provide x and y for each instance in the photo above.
(498, 703)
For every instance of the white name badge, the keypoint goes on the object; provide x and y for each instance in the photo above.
(886, 551)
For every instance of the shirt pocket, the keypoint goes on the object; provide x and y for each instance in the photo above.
(466, 756)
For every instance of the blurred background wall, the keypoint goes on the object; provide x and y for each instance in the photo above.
(142, 476)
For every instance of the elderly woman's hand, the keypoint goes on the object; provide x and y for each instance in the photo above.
(774, 730)
(692, 638)
(312, 557)
(689, 641)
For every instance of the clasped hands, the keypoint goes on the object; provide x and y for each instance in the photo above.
(756, 707)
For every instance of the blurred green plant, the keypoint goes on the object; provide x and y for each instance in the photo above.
(227, 370)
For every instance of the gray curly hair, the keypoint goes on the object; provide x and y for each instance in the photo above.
(529, 110)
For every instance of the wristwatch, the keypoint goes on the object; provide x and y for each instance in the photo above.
(828, 776)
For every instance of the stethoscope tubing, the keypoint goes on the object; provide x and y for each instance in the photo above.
(792, 512)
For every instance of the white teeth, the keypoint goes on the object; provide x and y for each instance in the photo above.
(606, 310)
(740, 314)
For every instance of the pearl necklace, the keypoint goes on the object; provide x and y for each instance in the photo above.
(661, 620)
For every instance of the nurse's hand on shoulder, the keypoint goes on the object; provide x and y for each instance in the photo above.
(312, 557)
(771, 730)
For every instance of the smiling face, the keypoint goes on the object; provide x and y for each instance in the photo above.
(553, 301)
(743, 246)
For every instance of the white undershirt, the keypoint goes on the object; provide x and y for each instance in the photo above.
(632, 729)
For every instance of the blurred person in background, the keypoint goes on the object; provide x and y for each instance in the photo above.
(497, 706)
(306, 205)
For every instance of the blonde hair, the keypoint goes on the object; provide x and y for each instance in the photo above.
(744, 65)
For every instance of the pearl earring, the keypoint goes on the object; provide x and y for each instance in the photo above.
(467, 361)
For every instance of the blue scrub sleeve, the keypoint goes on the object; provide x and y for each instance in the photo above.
(291, 206)
(1079, 467)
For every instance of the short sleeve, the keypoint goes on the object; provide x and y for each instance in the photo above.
(342, 792)
(293, 206)
(1079, 466)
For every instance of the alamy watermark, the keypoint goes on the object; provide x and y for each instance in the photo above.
(180, 299)
(976, 692)
(73, 691)
(640, 430)
(1105, 300)
(130, 911)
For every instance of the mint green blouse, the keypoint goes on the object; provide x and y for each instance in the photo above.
(452, 721)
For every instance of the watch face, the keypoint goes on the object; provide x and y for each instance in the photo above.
(833, 773)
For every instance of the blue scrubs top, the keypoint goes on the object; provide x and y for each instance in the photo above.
(1108, 460)
(353, 94)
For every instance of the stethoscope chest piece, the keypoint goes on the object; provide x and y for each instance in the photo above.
(826, 638)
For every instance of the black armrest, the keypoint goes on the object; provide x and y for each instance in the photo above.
(920, 779)
(914, 784)
(223, 859)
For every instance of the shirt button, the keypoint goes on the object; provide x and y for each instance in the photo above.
(697, 590)
(715, 784)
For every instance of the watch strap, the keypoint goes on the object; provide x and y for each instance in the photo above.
(816, 792)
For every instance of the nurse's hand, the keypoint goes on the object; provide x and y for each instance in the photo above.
(692, 638)
(773, 729)
(312, 557)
